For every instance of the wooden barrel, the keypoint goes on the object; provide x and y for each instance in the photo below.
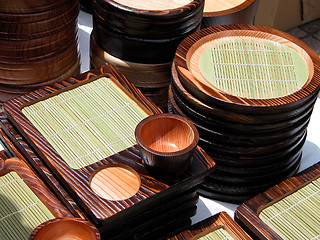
(250, 91)
(38, 44)
(222, 12)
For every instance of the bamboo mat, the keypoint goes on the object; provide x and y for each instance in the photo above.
(88, 123)
(20, 209)
(296, 216)
(253, 68)
(219, 234)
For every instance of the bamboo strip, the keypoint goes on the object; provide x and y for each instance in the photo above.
(219, 234)
(294, 216)
(94, 120)
(20, 209)
(253, 68)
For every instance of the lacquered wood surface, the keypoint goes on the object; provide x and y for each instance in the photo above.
(228, 12)
(247, 213)
(220, 220)
(238, 104)
(77, 181)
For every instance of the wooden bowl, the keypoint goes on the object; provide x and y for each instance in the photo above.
(65, 228)
(220, 12)
(219, 89)
(166, 142)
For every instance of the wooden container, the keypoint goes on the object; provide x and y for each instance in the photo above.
(65, 228)
(79, 178)
(292, 202)
(38, 45)
(220, 12)
(143, 32)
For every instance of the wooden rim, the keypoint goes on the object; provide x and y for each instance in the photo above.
(84, 225)
(211, 95)
(236, 8)
(145, 14)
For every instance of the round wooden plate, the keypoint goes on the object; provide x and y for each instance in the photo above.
(202, 42)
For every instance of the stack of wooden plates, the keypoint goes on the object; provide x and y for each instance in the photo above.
(141, 37)
(83, 128)
(223, 12)
(250, 91)
(38, 44)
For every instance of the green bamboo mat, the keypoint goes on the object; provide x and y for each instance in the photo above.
(219, 234)
(253, 68)
(20, 209)
(297, 215)
(87, 123)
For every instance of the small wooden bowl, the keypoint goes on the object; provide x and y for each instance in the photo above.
(166, 142)
(65, 228)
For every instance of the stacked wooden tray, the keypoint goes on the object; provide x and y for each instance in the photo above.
(101, 151)
(140, 39)
(223, 12)
(235, 84)
(25, 200)
(38, 44)
(220, 226)
(285, 211)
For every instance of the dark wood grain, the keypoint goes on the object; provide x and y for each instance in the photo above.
(246, 105)
(241, 14)
(76, 181)
(220, 220)
(247, 213)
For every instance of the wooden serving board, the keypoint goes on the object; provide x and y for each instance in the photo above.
(105, 213)
(221, 222)
(249, 213)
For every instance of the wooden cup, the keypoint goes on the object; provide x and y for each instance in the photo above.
(166, 142)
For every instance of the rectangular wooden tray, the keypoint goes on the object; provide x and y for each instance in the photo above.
(217, 222)
(104, 212)
(31, 198)
(247, 214)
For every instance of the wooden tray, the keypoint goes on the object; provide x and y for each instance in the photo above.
(221, 221)
(248, 214)
(104, 212)
(25, 200)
